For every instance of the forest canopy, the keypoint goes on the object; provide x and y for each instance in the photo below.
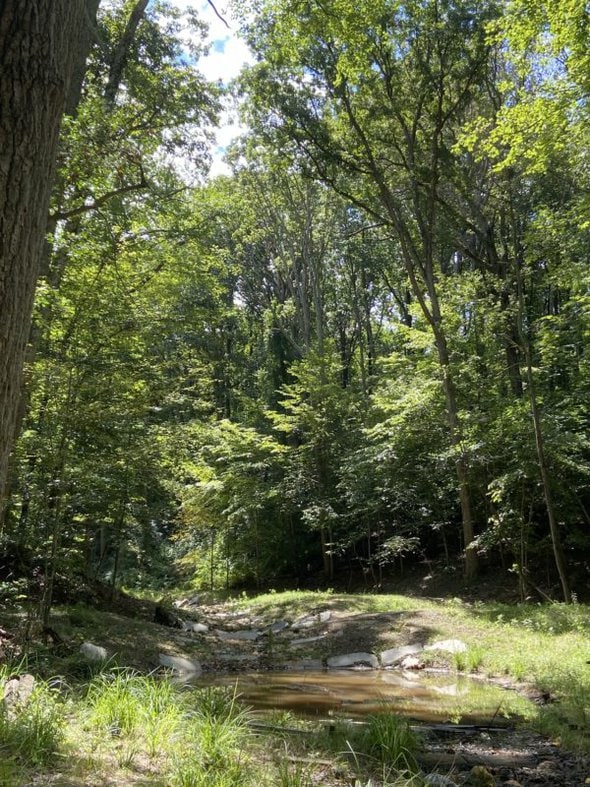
(367, 345)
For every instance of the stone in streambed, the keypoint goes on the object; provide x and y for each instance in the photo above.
(309, 621)
(93, 652)
(353, 660)
(411, 663)
(448, 645)
(394, 655)
(277, 627)
(247, 635)
(179, 664)
(193, 627)
(307, 640)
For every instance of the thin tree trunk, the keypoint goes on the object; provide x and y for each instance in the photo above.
(121, 54)
(558, 554)
(326, 556)
(116, 564)
(546, 484)
(461, 466)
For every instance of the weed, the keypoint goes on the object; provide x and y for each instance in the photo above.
(391, 742)
(126, 753)
(293, 774)
(125, 702)
(215, 735)
(114, 702)
(469, 660)
(31, 732)
(460, 660)
(218, 702)
(190, 772)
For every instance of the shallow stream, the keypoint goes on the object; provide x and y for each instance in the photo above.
(428, 698)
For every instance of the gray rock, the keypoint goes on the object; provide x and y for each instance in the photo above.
(309, 621)
(93, 652)
(179, 664)
(247, 635)
(303, 665)
(304, 623)
(17, 692)
(277, 627)
(448, 645)
(394, 655)
(352, 660)
(195, 628)
(410, 662)
(307, 640)
(437, 780)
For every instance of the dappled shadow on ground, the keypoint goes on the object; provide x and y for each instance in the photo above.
(377, 631)
(552, 618)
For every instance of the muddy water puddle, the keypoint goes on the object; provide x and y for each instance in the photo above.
(422, 697)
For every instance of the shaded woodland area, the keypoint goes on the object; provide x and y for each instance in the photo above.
(367, 346)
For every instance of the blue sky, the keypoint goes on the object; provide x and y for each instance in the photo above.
(227, 55)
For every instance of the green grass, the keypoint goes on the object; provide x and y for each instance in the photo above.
(391, 742)
(31, 730)
(216, 735)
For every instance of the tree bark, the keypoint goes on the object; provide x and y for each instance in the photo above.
(42, 45)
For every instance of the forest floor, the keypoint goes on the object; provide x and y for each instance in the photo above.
(541, 651)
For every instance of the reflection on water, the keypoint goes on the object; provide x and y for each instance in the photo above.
(425, 698)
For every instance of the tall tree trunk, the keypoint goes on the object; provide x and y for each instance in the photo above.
(42, 47)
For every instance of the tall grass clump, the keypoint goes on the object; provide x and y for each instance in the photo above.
(32, 728)
(214, 739)
(568, 718)
(114, 702)
(390, 741)
(293, 775)
(124, 703)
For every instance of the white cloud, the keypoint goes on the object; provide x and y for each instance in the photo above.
(227, 52)
(227, 55)
(226, 65)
